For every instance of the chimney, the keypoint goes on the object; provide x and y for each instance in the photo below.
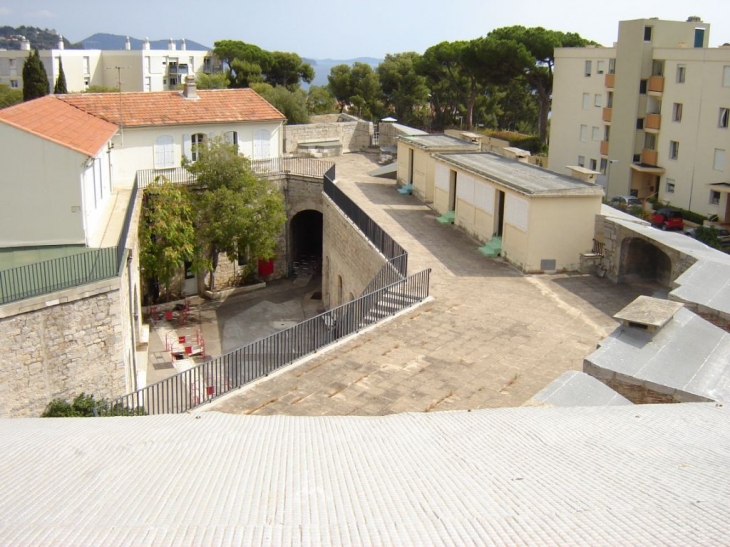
(146, 44)
(183, 45)
(171, 45)
(190, 90)
(25, 44)
(648, 314)
(60, 42)
(127, 44)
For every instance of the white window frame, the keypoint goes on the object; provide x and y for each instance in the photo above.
(669, 186)
(586, 101)
(598, 100)
(582, 161)
(596, 133)
(583, 133)
(681, 74)
(196, 140)
(677, 112)
(673, 150)
(723, 118)
(726, 76)
(587, 68)
(600, 67)
(714, 197)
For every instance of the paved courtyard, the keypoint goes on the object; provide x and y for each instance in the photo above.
(491, 337)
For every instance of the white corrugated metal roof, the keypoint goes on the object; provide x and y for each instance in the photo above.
(622, 475)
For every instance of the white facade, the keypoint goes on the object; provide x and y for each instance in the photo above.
(661, 103)
(140, 70)
(163, 147)
(52, 195)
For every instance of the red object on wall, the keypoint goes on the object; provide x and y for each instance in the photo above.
(266, 267)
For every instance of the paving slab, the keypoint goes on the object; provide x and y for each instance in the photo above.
(490, 337)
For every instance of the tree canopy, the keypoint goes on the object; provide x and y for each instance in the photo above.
(405, 92)
(237, 213)
(357, 89)
(249, 64)
(293, 104)
(35, 77)
(9, 96)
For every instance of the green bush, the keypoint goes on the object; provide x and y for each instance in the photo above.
(526, 142)
(83, 407)
(708, 236)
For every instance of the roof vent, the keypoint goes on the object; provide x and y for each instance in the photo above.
(648, 314)
(60, 42)
(146, 44)
(127, 44)
(183, 45)
(190, 90)
(694, 19)
(25, 44)
(171, 45)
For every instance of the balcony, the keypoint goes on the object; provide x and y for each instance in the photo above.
(610, 80)
(649, 157)
(607, 113)
(604, 148)
(656, 84)
(653, 122)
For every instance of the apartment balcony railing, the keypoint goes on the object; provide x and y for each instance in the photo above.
(653, 122)
(604, 148)
(649, 157)
(607, 114)
(610, 80)
(656, 84)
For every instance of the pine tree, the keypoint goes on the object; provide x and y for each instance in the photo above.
(60, 87)
(35, 79)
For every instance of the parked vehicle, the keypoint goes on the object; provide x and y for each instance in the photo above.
(667, 219)
(723, 235)
(624, 202)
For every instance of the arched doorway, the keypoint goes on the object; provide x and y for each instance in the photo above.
(306, 242)
(643, 261)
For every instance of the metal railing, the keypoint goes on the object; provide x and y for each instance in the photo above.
(377, 236)
(121, 244)
(213, 378)
(391, 272)
(598, 247)
(57, 274)
(306, 167)
(176, 175)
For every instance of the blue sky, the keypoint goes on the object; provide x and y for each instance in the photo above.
(346, 29)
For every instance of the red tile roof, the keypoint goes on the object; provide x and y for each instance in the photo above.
(61, 123)
(171, 108)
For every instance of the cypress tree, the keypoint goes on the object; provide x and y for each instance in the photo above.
(35, 78)
(60, 87)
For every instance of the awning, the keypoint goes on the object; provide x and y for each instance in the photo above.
(644, 168)
(721, 187)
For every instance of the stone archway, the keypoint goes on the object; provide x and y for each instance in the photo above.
(641, 260)
(306, 241)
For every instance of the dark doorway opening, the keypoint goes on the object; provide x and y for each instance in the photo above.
(643, 261)
(306, 242)
(500, 213)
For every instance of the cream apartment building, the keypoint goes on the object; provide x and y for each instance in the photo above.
(143, 69)
(650, 113)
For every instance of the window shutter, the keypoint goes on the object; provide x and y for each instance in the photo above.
(187, 147)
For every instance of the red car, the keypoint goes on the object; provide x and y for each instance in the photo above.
(667, 219)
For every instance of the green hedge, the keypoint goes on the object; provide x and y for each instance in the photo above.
(526, 142)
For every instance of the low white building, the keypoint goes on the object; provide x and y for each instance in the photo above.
(158, 129)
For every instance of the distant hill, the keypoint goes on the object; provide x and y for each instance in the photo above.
(322, 67)
(11, 37)
(116, 41)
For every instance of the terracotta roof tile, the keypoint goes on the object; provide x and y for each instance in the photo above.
(61, 123)
(171, 108)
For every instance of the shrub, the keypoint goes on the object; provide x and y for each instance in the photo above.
(83, 407)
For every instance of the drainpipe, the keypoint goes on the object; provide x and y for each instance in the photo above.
(132, 321)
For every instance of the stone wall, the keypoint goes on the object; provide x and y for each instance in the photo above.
(347, 255)
(354, 134)
(82, 339)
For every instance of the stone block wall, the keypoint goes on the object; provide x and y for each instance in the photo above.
(347, 256)
(71, 343)
(354, 134)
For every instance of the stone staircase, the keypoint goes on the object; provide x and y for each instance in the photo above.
(388, 303)
(492, 248)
